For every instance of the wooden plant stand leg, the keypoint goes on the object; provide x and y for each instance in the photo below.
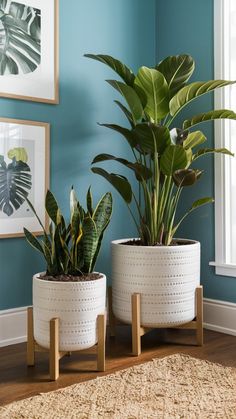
(112, 319)
(136, 336)
(30, 338)
(54, 354)
(199, 315)
(101, 324)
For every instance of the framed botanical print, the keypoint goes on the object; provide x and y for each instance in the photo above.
(24, 173)
(29, 50)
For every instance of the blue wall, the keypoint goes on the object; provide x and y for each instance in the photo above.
(126, 30)
(187, 26)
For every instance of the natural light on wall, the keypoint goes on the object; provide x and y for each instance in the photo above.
(225, 136)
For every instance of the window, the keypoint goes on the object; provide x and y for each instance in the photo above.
(225, 136)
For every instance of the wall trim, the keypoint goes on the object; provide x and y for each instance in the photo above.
(13, 326)
(219, 316)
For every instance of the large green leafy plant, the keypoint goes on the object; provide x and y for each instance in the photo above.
(72, 249)
(162, 154)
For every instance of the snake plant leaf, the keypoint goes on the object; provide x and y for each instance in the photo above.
(131, 98)
(204, 151)
(194, 139)
(129, 135)
(33, 241)
(193, 91)
(89, 200)
(126, 112)
(90, 241)
(102, 213)
(151, 138)
(51, 206)
(177, 69)
(209, 116)
(15, 184)
(121, 69)
(175, 157)
(120, 183)
(20, 51)
(154, 84)
(141, 171)
(186, 177)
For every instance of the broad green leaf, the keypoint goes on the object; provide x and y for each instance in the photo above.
(193, 139)
(51, 206)
(129, 135)
(131, 98)
(202, 201)
(209, 116)
(102, 213)
(177, 70)
(186, 177)
(204, 151)
(175, 157)
(120, 183)
(140, 170)
(196, 204)
(194, 90)
(33, 241)
(90, 242)
(127, 113)
(121, 69)
(151, 138)
(90, 201)
(154, 84)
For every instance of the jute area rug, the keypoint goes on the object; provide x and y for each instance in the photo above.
(177, 386)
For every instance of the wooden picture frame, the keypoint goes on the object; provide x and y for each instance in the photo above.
(29, 69)
(24, 173)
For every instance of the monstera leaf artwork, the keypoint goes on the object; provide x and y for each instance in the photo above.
(20, 38)
(15, 180)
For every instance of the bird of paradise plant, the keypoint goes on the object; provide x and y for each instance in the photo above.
(162, 154)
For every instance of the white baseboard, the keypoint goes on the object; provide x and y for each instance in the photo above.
(13, 326)
(218, 315)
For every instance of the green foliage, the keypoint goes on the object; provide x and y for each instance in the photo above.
(163, 154)
(72, 249)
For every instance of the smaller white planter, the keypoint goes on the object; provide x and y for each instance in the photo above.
(76, 304)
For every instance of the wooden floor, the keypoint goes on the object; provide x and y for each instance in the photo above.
(17, 381)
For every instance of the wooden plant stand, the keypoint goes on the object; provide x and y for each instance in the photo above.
(54, 353)
(138, 330)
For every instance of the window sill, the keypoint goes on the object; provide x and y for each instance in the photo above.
(225, 269)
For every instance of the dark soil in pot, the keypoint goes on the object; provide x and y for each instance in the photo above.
(71, 278)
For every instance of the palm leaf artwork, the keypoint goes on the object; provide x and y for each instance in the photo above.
(15, 181)
(20, 38)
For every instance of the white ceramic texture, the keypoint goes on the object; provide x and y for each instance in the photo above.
(76, 304)
(165, 276)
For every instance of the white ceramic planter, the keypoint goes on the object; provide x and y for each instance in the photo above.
(165, 276)
(76, 304)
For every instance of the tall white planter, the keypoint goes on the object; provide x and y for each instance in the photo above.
(76, 304)
(165, 276)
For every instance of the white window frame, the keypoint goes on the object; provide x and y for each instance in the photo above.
(222, 136)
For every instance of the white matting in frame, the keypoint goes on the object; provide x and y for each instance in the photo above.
(29, 50)
(24, 173)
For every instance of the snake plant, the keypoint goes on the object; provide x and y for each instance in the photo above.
(163, 153)
(72, 249)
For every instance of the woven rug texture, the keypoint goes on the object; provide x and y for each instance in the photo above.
(177, 386)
